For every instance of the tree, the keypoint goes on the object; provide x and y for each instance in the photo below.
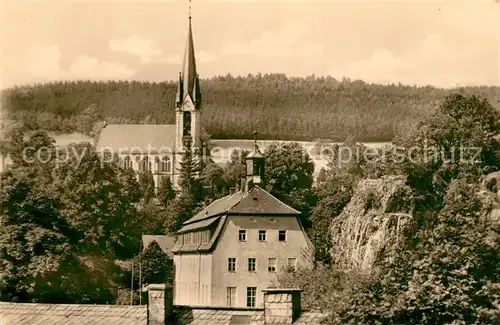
(181, 209)
(58, 244)
(166, 192)
(87, 120)
(147, 185)
(235, 168)
(157, 267)
(189, 170)
(212, 178)
(289, 176)
(445, 271)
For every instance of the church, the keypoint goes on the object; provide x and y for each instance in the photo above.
(229, 253)
(158, 148)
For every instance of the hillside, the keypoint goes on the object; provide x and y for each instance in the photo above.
(277, 106)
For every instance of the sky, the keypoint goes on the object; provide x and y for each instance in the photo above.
(441, 43)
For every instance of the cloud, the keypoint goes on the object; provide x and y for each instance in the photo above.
(201, 57)
(287, 41)
(205, 57)
(43, 65)
(87, 67)
(434, 58)
(136, 45)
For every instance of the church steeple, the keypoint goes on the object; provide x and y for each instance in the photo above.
(189, 84)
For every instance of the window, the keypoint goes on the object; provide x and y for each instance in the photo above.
(262, 235)
(292, 264)
(271, 265)
(251, 294)
(243, 235)
(252, 261)
(231, 264)
(164, 164)
(145, 164)
(187, 124)
(231, 296)
(282, 235)
(127, 162)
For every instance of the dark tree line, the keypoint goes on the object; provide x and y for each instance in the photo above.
(279, 107)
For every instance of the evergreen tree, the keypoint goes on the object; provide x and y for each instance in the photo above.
(157, 267)
(189, 171)
(147, 185)
(166, 192)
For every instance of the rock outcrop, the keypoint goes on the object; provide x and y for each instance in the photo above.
(490, 191)
(372, 222)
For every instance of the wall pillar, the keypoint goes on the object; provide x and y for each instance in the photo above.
(160, 303)
(282, 306)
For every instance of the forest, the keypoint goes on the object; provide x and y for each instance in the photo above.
(279, 107)
(79, 246)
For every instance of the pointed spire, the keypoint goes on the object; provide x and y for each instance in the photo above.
(188, 83)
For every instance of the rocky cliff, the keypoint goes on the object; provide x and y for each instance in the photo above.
(372, 222)
(490, 191)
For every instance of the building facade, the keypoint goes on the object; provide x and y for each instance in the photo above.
(230, 252)
(158, 148)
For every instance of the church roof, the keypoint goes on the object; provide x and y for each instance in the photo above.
(128, 138)
(256, 201)
(60, 314)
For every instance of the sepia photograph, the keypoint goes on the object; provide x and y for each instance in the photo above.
(224, 162)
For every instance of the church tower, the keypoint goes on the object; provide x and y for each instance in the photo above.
(188, 98)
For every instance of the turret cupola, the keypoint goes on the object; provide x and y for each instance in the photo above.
(255, 166)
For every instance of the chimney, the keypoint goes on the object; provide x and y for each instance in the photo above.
(281, 306)
(160, 303)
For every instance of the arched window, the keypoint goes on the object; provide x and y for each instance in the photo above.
(127, 162)
(145, 164)
(165, 165)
